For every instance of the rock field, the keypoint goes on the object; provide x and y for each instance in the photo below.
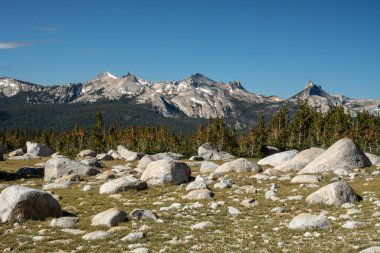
(309, 201)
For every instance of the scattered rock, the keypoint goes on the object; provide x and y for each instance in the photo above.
(208, 167)
(64, 222)
(131, 237)
(352, 224)
(92, 162)
(141, 250)
(114, 154)
(122, 184)
(305, 179)
(309, 221)
(196, 158)
(233, 211)
(87, 153)
(196, 185)
(138, 214)
(56, 186)
(334, 194)
(238, 165)
(58, 167)
(110, 218)
(104, 157)
(127, 154)
(343, 154)
(209, 153)
(278, 158)
(200, 194)
(202, 225)
(37, 149)
(166, 172)
(17, 152)
(299, 162)
(20, 203)
(223, 184)
(96, 235)
(249, 203)
(375, 159)
(143, 163)
(278, 210)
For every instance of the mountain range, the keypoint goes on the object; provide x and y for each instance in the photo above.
(195, 97)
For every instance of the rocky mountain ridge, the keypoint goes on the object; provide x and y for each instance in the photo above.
(196, 96)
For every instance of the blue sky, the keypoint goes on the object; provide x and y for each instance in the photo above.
(272, 47)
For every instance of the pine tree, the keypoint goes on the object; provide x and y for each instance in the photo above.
(97, 133)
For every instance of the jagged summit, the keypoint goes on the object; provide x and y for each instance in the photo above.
(199, 78)
(103, 77)
(130, 77)
(236, 85)
(314, 90)
(309, 84)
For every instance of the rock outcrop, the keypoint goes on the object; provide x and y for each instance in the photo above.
(127, 154)
(334, 194)
(166, 172)
(299, 162)
(278, 158)
(344, 154)
(207, 152)
(58, 167)
(305, 221)
(121, 185)
(21, 203)
(38, 149)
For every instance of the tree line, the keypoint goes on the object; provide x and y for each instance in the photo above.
(306, 128)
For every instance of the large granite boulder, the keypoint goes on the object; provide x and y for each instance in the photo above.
(334, 194)
(122, 184)
(20, 203)
(278, 158)
(166, 172)
(38, 149)
(343, 154)
(208, 152)
(307, 221)
(238, 165)
(299, 162)
(156, 157)
(127, 154)
(58, 167)
(110, 218)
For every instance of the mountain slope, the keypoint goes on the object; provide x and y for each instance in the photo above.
(134, 100)
(196, 96)
(323, 101)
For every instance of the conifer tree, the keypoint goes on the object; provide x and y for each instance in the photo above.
(97, 133)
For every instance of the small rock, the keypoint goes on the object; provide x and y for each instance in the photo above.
(96, 235)
(202, 225)
(131, 237)
(233, 211)
(110, 217)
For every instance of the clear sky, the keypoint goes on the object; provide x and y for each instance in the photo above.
(272, 47)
